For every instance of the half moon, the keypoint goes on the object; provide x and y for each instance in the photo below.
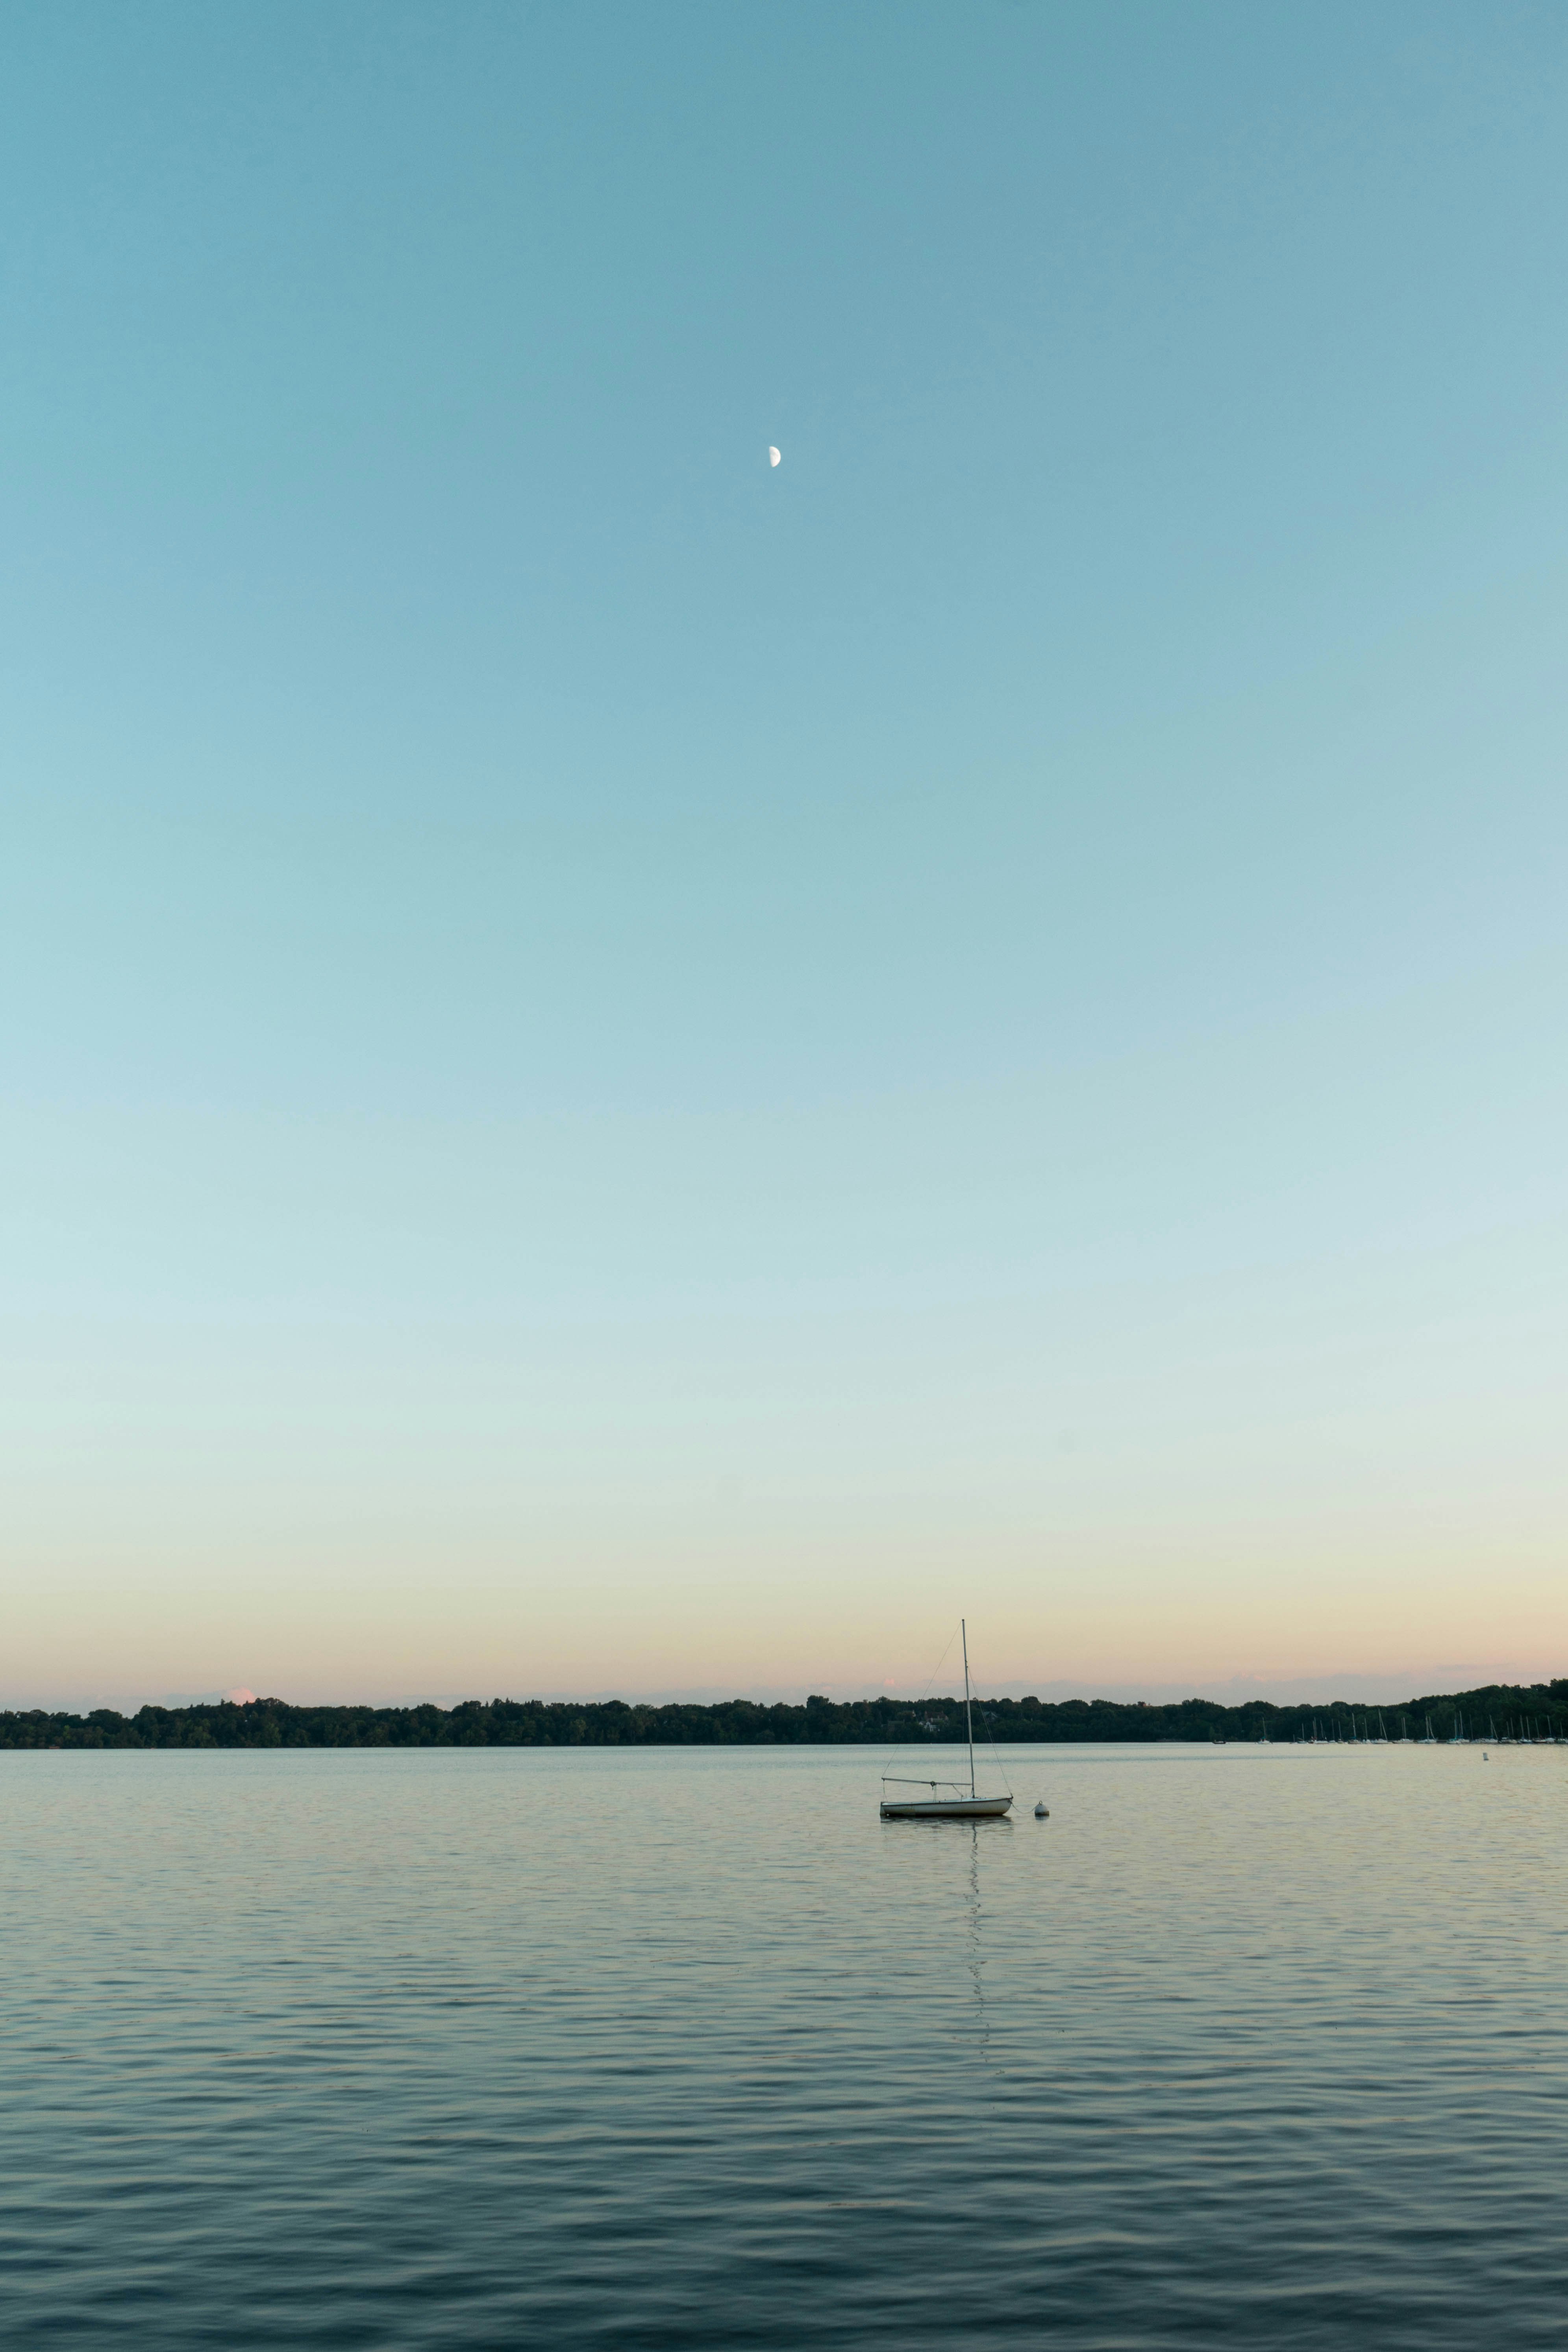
(773, 455)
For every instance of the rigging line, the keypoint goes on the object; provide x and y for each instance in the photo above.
(922, 1698)
(986, 1726)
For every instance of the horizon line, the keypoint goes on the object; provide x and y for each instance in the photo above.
(184, 1704)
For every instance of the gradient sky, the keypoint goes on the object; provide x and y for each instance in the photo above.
(630, 1071)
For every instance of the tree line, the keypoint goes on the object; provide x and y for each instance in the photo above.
(1540, 1707)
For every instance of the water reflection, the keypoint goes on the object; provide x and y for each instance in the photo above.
(976, 1973)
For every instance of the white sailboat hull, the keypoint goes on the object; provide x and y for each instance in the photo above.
(945, 1809)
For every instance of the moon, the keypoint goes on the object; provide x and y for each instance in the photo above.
(773, 455)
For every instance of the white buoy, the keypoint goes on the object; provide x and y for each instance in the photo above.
(1042, 1812)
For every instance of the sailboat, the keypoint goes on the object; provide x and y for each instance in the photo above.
(946, 1802)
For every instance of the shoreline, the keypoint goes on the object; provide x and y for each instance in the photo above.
(1494, 1713)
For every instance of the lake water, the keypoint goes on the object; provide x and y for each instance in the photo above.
(481, 2048)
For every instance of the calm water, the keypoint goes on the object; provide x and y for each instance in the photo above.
(688, 2049)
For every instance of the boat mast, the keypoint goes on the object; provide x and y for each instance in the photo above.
(968, 1718)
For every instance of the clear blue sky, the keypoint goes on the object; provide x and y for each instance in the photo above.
(627, 1069)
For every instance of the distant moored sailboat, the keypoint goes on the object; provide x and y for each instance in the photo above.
(946, 1801)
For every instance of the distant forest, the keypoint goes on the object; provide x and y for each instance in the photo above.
(1500, 1710)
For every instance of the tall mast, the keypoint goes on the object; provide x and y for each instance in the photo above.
(968, 1718)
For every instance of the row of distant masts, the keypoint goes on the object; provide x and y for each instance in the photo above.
(1518, 1731)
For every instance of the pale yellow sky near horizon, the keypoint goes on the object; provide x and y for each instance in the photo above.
(338, 1622)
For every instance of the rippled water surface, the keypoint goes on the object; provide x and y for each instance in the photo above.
(687, 2048)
